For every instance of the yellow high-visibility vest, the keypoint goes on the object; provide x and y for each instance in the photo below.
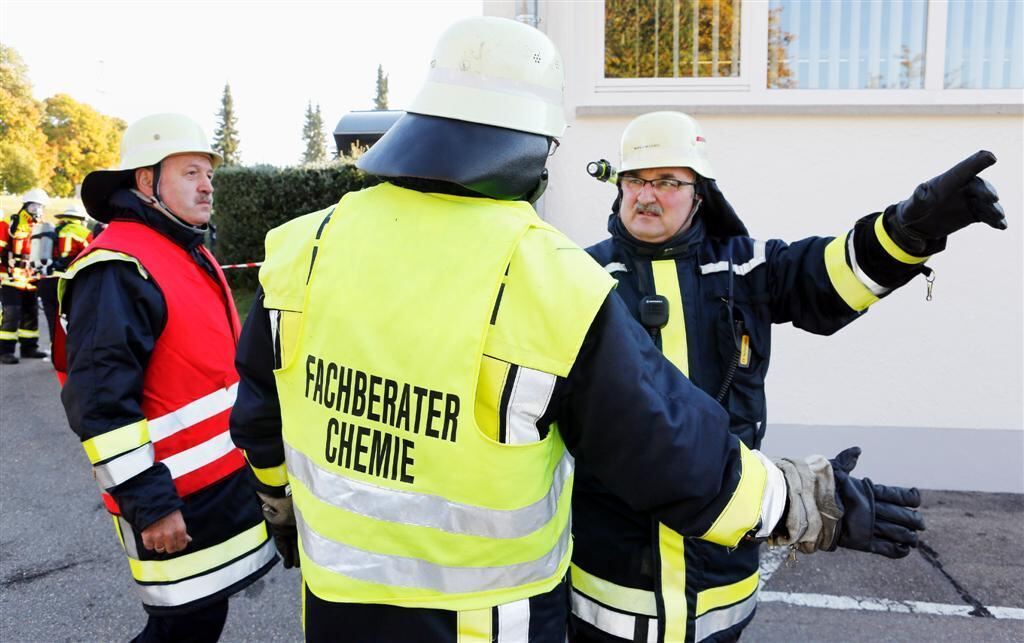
(389, 307)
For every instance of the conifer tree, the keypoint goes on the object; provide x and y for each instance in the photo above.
(380, 101)
(313, 135)
(225, 138)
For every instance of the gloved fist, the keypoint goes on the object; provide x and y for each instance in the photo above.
(951, 201)
(280, 515)
(876, 518)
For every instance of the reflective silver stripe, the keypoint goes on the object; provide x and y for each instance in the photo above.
(426, 510)
(191, 589)
(514, 622)
(615, 267)
(201, 454)
(125, 466)
(610, 621)
(193, 413)
(773, 503)
(128, 536)
(275, 320)
(402, 571)
(531, 393)
(721, 619)
(739, 269)
(869, 283)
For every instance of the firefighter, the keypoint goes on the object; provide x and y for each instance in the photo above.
(20, 321)
(150, 381)
(68, 238)
(677, 247)
(425, 359)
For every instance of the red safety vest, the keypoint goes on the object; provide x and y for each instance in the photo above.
(190, 381)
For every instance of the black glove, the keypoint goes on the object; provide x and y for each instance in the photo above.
(286, 539)
(876, 518)
(951, 201)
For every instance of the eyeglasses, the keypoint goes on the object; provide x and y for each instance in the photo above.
(661, 186)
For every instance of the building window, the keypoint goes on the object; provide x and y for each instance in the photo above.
(672, 38)
(984, 44)
(846, 44)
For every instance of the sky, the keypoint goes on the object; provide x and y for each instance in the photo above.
(130, 59)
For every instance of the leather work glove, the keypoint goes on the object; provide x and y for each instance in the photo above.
(280, 516)
(876, 518)
(950, 201)
(829, 508)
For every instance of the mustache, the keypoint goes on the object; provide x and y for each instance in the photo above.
(648, 208)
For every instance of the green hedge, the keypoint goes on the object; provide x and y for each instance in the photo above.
(249, 201)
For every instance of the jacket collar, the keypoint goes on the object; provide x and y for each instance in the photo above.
(683, 244)
(126, 206)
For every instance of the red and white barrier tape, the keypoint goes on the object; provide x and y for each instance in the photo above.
(251, 264)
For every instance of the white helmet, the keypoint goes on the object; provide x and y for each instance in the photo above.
(665, 139)
(145, 143)
(151, 139)
(495, 71)
(36, 195)
(72, 212)
(485, 116)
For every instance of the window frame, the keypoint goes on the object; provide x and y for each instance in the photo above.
(749, 92)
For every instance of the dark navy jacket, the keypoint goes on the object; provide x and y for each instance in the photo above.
(733, 288)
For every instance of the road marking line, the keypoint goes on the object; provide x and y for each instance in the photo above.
(771, 560)
(826, 601)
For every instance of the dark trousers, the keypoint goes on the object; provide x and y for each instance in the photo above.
(201, 626)
(21, 316)
(47, 289)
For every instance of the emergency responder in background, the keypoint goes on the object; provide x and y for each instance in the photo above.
(423, 357)
(150, 380)
(68, 239)
(677, 247)
(20, 320)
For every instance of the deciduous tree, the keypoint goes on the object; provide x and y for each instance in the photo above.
(27, 160)
(81, 139)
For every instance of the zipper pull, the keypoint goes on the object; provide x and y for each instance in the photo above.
(929, 279)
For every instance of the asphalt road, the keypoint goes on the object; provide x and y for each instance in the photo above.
(64, 578)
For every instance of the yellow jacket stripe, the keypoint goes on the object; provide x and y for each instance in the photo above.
(114, 443)
(856, 295)
(93, 258)
(890, 246)
(270, 476)
(737, 519)
(179, 567)
(627, 599)
(718, 597)
(671, 545)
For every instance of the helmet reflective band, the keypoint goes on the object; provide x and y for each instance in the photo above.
(665, 139)
(153, 138)
(495, 71)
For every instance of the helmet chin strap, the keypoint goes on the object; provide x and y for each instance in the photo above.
(538, 191)
(158, 204)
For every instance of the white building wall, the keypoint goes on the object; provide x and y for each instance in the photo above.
(913, 378)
